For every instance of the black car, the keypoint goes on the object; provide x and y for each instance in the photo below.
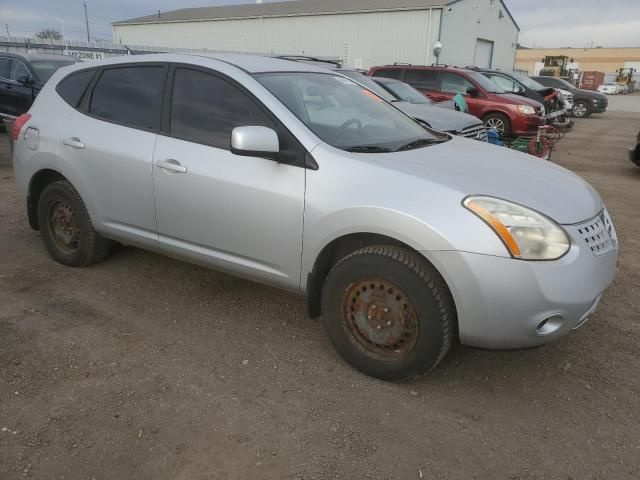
(520, 84)
(22, 77)
(585, 102)
(634, 152)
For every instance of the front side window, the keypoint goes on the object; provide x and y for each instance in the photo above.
(452, 83)
(205, 109)
(5, 67)
(129, 95)
(18, 71)
(504, 83)
(423, 79)
(346, 115)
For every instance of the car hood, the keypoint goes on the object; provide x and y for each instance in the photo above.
(439, 118)
(590, 94)
(476, 168)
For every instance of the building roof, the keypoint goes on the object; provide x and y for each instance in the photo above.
(287, 8)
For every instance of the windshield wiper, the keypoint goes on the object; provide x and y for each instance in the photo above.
(421, 142)
(367, 149)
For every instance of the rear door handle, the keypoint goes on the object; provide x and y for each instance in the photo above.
(73, 142)
(172, 166)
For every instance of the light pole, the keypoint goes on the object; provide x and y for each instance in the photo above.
(86, 21)
(437, 50)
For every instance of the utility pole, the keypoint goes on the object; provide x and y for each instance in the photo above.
(86, 21)
(6, 25)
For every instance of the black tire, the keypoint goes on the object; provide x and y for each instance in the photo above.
(581, 109)
(492, 120)
(80, 245)
(424, 302)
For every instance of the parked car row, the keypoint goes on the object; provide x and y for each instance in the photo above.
(613, 88)
(402, 237)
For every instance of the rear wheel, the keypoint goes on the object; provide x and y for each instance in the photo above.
(388, 312)
(498, 122)
(581, 109)
(66, 228)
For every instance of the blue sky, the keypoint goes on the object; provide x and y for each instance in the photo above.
(544, 23)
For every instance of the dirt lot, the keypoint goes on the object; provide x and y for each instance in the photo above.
(147, 368)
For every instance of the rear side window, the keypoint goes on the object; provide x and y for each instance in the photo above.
(18, 71)
(395, 73)
(205, 109)
(5, 67)
(425, 79)
(73, 86)
(129, 95)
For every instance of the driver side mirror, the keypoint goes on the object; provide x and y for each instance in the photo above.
(473, 91)
(24, 80)
(517, 89)
(255, 142)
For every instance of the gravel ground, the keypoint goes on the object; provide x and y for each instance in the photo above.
(147, 368)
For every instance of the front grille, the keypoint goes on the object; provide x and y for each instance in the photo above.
(478, 132)
(599, 235)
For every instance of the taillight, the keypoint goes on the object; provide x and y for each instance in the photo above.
(18, 124)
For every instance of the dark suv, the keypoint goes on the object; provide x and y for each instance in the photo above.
(498, 109)
(585, 103)
(22, 77)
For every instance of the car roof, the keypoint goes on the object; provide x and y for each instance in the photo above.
(444, 68)
(248, 63)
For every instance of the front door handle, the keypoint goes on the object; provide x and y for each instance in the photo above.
(172, 166)
(73, 142)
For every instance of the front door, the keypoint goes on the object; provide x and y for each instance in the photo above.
(453, 84)
(243, 215)
(15, 97)
(484, 53)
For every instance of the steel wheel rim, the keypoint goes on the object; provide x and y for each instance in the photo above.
(379, 319)
(63, 227)
(495, 124)
(579, 110)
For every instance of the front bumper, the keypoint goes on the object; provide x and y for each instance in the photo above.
(528, 124)
(501, 302)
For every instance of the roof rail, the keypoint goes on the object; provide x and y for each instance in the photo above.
(401, 63)
(439, 65)
(297, 58)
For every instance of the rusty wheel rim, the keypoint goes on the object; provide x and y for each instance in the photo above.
(63, 227)
(380, 319)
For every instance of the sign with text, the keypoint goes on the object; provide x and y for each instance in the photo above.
(84, 55)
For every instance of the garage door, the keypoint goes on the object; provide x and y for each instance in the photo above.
(484, 53)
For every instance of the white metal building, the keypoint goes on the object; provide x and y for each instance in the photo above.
(362, 33)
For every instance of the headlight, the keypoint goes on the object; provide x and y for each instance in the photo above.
(526, 109)
(527, 234)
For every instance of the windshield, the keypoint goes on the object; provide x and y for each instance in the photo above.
(346, 115)
(45, 68)
(527, 82)
(369, 83)
(485, 83)
(407, 93)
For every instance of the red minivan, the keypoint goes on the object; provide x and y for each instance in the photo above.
(505, 112)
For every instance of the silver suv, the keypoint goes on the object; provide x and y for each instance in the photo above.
(291, 175)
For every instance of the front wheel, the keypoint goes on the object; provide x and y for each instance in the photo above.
(66, 227)
(498, 122)
(388, 312)
(581, 110)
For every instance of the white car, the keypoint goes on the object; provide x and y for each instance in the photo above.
(610, 88)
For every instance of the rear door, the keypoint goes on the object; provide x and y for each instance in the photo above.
(239, 214)
(426, 81)
(107, 145)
